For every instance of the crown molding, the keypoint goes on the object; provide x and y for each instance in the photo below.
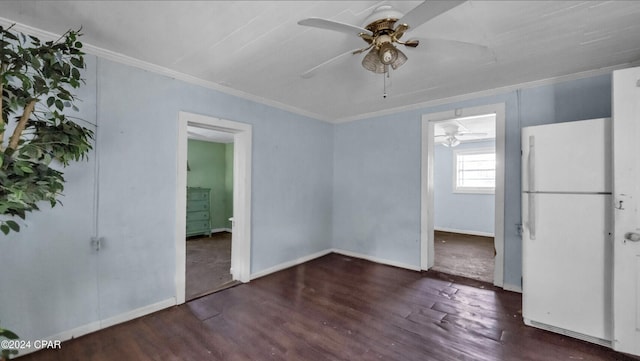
(154, 68)
(488, 92)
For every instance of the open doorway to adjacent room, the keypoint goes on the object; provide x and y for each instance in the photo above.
(209, 211)
(463, 193)
(464, 196)
(231, 217)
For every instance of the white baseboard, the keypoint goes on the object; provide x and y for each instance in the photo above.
(138, 312)
(375, 259)
(295, 262)
(65, 336)
(284, 265)
(463, 231)
(512, 288)
(218, 230)
(99, 325)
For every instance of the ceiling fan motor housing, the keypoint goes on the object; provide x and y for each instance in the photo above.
(383, 18)
(382, 26)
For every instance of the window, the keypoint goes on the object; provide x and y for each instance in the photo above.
(474, 171)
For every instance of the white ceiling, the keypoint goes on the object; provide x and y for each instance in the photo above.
(257, 49)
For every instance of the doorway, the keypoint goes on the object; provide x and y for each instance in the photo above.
(209, 211)
(464, 199)
(240, 223)
(436, 124)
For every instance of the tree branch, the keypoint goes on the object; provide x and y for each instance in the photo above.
(22, 123)
(2, 122)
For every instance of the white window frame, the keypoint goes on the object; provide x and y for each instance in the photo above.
(472, 190)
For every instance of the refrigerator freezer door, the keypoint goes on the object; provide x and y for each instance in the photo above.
(567, 267)
(567, 157)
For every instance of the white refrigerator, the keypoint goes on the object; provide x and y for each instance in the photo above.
(567, 224)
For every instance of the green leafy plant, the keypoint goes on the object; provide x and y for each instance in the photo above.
(6, 334)
(36, 79)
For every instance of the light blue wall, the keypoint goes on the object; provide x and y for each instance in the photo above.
(377, 169)
(462, 212)
(376, 175)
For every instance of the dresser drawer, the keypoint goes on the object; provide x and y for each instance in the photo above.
(194, 206)
(197, 194)
(198, 213)
(198, 227)
(198, 216)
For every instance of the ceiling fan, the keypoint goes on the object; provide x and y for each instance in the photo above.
(452, 133)
(383, 30)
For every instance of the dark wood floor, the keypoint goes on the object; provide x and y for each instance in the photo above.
(464, 255)
(208, 264)
(337, 308)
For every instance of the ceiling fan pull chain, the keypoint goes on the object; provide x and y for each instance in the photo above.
(385, 75)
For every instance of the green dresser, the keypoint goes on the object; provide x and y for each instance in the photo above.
(198, 217)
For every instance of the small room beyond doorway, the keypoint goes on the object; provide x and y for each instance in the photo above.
(464, 199)
(209, 209)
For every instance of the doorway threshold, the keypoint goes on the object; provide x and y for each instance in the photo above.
(222, 287)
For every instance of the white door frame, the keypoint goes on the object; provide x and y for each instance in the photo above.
(427, 199)
(241, 239)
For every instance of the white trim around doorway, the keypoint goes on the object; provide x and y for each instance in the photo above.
(241, 239)
(427, 202)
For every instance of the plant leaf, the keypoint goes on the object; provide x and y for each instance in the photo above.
(14, 226)
(8, 334)
(77, 62)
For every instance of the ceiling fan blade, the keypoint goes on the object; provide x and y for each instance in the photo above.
(472, 134)
(427, 11)
(412, 43)
(311, 72)
(334, 25)
(455, 48)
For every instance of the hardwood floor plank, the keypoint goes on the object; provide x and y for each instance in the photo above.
(207, 264)
(464, 255)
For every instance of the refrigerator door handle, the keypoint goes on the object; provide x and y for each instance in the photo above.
(532, 164)
(531, 179)
(532, 216)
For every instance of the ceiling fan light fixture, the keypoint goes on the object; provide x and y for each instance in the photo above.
(451, 141)
(400, 59)
(387, 53)
(372, 62)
